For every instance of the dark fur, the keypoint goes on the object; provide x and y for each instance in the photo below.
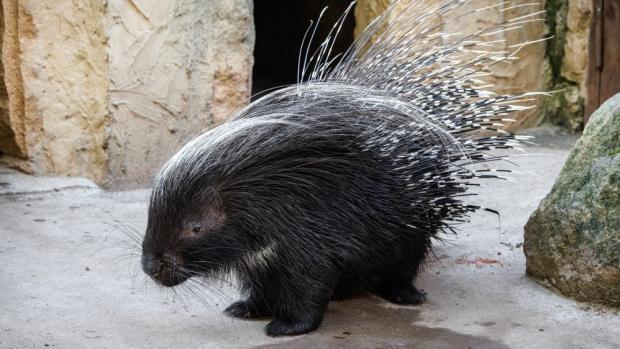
(336, 211)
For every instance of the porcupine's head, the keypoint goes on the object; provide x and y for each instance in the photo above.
(178, 234)
(181, 227)
(188, 231)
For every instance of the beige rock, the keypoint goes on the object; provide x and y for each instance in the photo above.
(12, 129)
(55, 74)
(366, 11)
(575, 61)
(108, 90)
(176, 68)
(579, 15)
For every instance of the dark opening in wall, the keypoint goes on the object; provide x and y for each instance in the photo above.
(280, 27)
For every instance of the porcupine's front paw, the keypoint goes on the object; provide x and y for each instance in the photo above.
(244, 310)
(281, 327)
(406, 295)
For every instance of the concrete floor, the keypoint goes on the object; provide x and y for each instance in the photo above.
(68, 282)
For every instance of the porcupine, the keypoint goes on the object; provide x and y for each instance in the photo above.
(338, 184)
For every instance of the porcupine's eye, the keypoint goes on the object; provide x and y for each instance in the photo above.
(192, 230)
(200, 224)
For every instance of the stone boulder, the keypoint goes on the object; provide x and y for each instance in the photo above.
(572, 240)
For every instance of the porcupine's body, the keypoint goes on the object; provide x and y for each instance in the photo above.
(335, 185)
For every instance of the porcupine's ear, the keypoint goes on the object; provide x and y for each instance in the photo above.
(205, 220)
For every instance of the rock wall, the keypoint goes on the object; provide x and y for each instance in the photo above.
(7, 135)
(529, 73)
(568, 22)
(176, 68)
(55, 75)
(109, 89)
(8, 141)
(366, 11)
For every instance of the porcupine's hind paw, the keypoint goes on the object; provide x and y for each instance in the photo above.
(280, 327)
(244, 310)
(406, 295)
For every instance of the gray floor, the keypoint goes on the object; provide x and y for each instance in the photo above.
(68, 282)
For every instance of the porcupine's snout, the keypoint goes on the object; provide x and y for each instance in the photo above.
(164, 269)
(150, 265)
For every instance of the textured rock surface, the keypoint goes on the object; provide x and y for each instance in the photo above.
(108, 90)
(569, 28)
(366, 11)
(54, 60)
(573, 239)
(529, 73)
(176, 68)
(7, 135)
(11, 92)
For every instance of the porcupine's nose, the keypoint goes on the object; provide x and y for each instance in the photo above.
(150, 265)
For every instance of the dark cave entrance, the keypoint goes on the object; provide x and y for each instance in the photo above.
(280, 27)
